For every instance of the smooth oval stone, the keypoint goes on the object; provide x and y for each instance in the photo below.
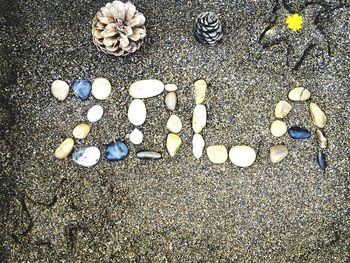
(64, 149)
(82, 89)
(173, 143)
(200, 88)
(146, 88)
(199, 118)
(318, 117)
(278, 128)
(116, 151)
(95, 113)
(137, 112)
(198, 144)
(81, 131)
(217, 154)
(298, 133)
(174, 124)
(170, 87)
(321, 160)
(101, 88)
(86, 156)
(282, 109)
(322, 140)
(60, 89)
(299, 94)
(278, 153)
(242, 155)
(170, 101)
(136, 136)
(148, 155)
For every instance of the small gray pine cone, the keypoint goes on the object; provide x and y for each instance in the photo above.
(118, 28)
(207, 29)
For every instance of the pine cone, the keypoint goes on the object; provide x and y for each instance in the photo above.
(207, 29)
(118, 28)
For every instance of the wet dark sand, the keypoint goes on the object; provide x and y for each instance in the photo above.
(176, 209)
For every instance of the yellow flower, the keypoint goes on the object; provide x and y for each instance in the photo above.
(294, 22)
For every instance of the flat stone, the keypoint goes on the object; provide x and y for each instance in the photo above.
(199, 118)
(82, 89)
(81, 131)
(200, 88)
(317, 115)
(173, 144)
(137, 112)
(101, 88)
(198, 144)
(143, 89)
(242, 155)
(86, 156)
(136, 136)
(64, 149)
(282, 109)
(299, 94)
(60, 89)
(217, 154)
(174, 124)
(95, 113)
(170, 87)
(278, 128)
(278, 153)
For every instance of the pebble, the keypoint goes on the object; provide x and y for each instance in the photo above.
(278, 128)
(82, 89)
(81, 131)
(173, 144)
(217, 154)
(136, 136)
(318, 117)
(282, 109)
(137, 112)
(198, 145)
(146, 88)
(321, 160)
(299, 94)
(278, 153)
(95, 113)
(148, 155)
(117, 150)
(86, 156)
(174, 124)
(101, 88)
(200, 88)
(322, 140)
(242, 155)
(170, 87)
(298, 133)
(60, 89)
(170, 101)
(199, 119)
(64, 149)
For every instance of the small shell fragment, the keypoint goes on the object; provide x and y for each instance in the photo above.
(322, 140)
(148, 155)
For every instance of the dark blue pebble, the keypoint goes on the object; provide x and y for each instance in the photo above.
(82, 89)
(321, 159)
(117, 151)
(298, 133)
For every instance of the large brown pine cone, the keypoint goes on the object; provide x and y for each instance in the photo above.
(118, 28)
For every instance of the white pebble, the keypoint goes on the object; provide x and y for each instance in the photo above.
(136, 136)
(282, 109)
(242, 156)
(278, 153)
(95, 113)
(278, 128)
(60, 89)
(173, 144)
(200, 88)
(137, 112)
(318, 117)
(174, 124)
(86, 156)
(146, 88)
(299, 94)
(170, 87)
(170, 101)
(198, 144)
(101, 88)
(217, 154)
(199, 118)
